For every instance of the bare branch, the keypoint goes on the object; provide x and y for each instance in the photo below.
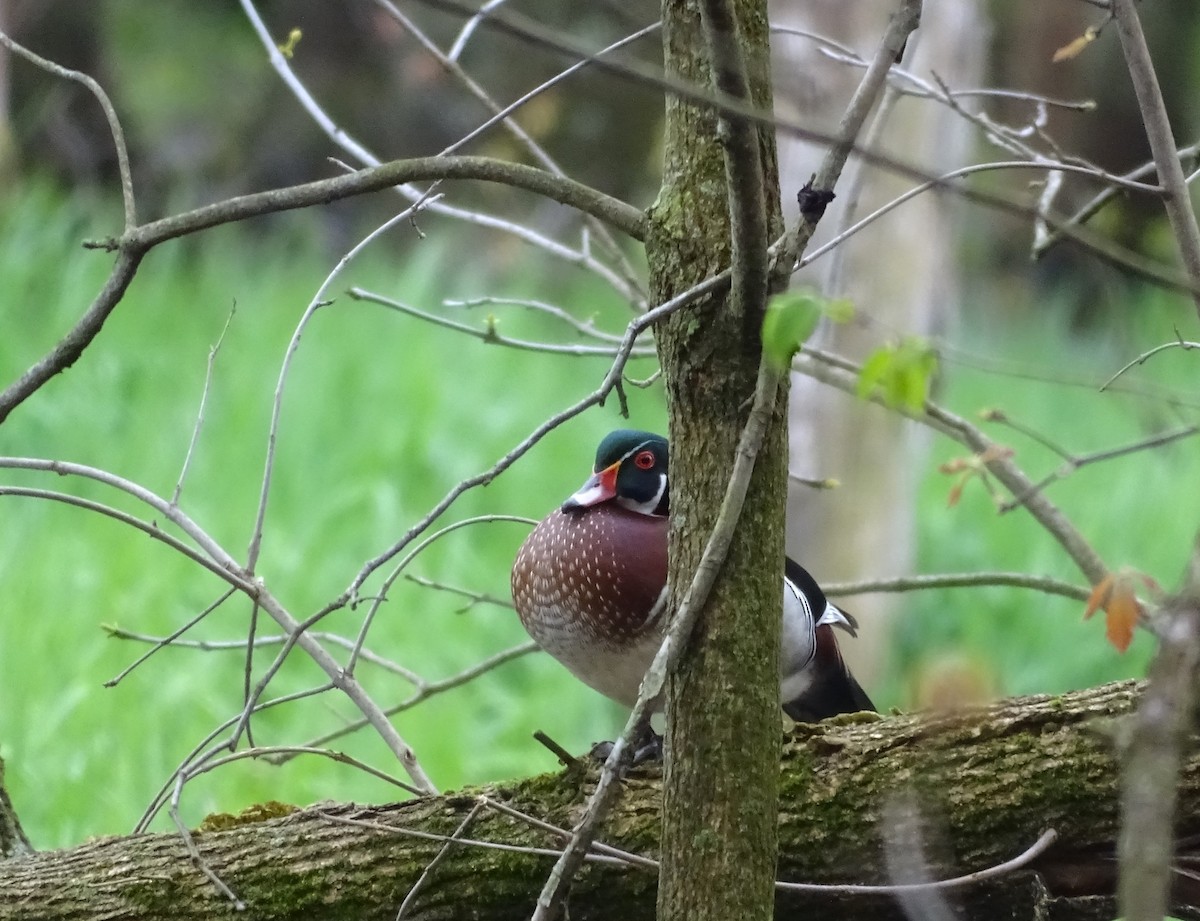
(145, 527)
(900, 26)
(110, 114)
(1043, 584)
(1022, 860)
(162, 642)
(627, 286)
(71, 346)
(491, 336)
(842, 374)
(503, 115)
(1162, 141)
(1098, 246)
(623, 217)
(318, 301)
(258, 593)
(587, 327)
(473, 598)
(717, 547)
(427, 689)
(1091, 208)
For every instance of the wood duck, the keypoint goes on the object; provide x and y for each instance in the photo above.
(589, 579)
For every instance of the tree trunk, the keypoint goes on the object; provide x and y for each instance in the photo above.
(13, 842)
(987, 783)
(722, 748)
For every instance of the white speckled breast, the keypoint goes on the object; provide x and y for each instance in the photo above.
(585, 584)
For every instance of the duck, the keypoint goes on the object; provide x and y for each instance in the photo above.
(590, 580)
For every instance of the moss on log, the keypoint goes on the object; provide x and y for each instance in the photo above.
(987, 782)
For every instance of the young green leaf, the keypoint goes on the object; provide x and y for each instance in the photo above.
(791, 318)
(900, 373)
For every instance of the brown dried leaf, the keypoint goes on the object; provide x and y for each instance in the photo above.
(1115, 594)
(1099, 597)
(1122, 613)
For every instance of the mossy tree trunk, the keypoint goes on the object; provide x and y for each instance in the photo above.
(719, 835)
(987, 784)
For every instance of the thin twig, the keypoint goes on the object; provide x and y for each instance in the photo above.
(258, 642)
(489, 334)
(427, 689)
(1022, 860)
(189, 844)
(599, 847)
(365, 157)
(145, 527)
(471, 842)
(168, 640)
(1179, 343)
(269, 752)
(587, 327)
(110, 114)
(403, 564)
(564, 756)
(208, 377)
(318, 301)
(205, 750)
(604, 853)
(257, 591)
(473, 598)
(437, 859)
(503, 116)
(1102, 198)
(1076, 461)
(1100, 248)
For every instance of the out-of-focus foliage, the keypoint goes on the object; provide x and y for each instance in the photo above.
(206, 115)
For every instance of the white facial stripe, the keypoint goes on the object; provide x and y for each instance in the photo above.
(647, 507)
(633, 451)
(803, 599)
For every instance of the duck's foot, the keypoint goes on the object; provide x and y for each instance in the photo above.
(646, 746)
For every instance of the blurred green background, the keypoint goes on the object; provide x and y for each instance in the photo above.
(384, 414)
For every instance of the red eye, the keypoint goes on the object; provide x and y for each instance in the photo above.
(645, 460)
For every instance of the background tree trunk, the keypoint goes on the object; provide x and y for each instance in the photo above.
(987, 783)
(902, 276)
(722, 748)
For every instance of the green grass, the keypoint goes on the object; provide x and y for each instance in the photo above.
(381, 417)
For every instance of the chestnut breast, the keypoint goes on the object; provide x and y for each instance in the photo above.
(597, 571)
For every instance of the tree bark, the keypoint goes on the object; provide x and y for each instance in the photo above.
(722, 748)
(987, 783)
(13, 842)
